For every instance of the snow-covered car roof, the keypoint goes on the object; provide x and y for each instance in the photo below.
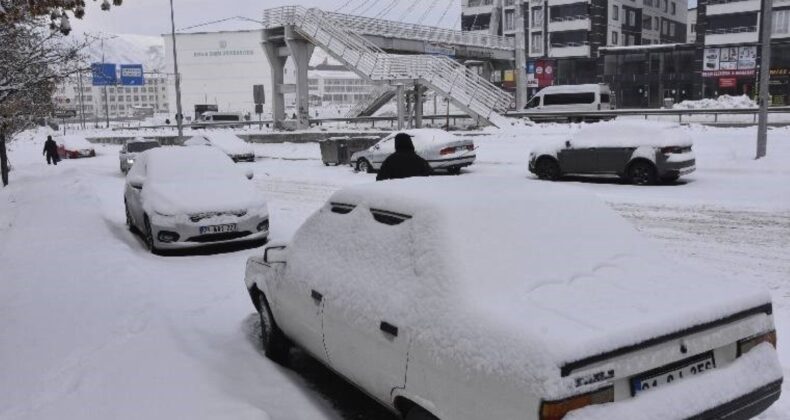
(631, 133)
(230, 143)
(197, 141)
(186, 180)
(424, 138)
(73, 142)
(506, 275)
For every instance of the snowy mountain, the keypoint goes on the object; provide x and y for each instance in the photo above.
(130, 49)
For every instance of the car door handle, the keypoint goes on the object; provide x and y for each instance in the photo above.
(318, 297)
(389, 328)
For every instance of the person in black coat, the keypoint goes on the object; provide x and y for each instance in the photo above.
(405, 162)
(51, 150)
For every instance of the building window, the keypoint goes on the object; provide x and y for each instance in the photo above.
(537, 17)
(537, 43)
(648, 2)
(781, 23)
(631, 18)
(694, 27)
(665, 28)
(647, 22)
(657, 25)
(674, 8)
(666, 6)
(614, 38)
(671, 28)
(615, 12)
(509, 20)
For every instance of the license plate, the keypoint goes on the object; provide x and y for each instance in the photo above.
(673, 373)
(229, 227)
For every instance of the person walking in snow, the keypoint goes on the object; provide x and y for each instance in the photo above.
(405, 162)
(51, 151)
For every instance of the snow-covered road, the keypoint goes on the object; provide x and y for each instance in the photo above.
(94, 327)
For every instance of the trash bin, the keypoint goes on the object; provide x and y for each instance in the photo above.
(338, 150)
(668, 103)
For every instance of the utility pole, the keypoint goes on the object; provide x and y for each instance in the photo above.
(765, 75)
(521, 58)
(82, 104)
(179, 113)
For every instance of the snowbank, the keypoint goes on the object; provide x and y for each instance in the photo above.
(722, 102)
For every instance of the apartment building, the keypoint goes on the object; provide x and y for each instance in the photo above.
(121, 101)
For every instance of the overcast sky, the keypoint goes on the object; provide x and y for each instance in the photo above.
(152, 17)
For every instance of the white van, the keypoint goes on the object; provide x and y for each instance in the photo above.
(214, 118)
(590, 97)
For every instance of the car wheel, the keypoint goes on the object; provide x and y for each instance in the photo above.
(454, 170)
(274, 343)
(148, 236)
(642, 173)
(548, 169)
(364, 166)
(417, 413)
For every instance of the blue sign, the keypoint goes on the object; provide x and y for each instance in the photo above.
(132, 75)
(103, 74)
(530, 67)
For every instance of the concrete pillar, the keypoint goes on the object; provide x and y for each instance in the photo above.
(401, 107)
(301, 51)
(418, 99)
(277, 98)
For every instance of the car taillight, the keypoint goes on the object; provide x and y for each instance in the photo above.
(555, 410)
(447, 151)
(749, 343)
(673, 149)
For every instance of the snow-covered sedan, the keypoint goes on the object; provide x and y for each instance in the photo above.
(441, 149)
(131, 148)
(233, 146)
(181, 197)
(497, 299)
(74, 147)
(641, 152)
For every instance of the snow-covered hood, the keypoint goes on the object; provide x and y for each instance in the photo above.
(201, 196)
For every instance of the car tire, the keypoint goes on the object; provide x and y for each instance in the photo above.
(275, 345)
(148, 236)
(642, 173)
(364, 166)
(418, 413)
(454, 170)
(548, 169)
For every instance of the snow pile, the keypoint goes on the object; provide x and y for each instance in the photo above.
(541, 252)
(188, 180)
(722, 102)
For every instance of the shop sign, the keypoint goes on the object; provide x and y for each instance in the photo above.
(728, 82)
(780, 72)
(729, 61)
(543, 73)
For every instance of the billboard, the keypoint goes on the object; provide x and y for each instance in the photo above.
(103, 74)
(729, 61)
(132, 75)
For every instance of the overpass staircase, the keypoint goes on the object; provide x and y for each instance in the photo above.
(376, 99)
(464, 87)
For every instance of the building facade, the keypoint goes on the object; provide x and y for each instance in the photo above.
(118, 102)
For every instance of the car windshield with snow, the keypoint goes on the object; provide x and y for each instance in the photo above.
(231, 144)
(492, 298)
(180, 197)
(639, 152)
(442, 150)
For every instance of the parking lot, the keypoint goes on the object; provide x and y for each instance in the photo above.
(111, 331)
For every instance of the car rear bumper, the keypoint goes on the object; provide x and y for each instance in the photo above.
(676, 168)
(746, 406)
(458, 162)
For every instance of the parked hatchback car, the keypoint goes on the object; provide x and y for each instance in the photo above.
(442, 150)
(557, 307)
(231, 144)
(131, 148)
(74, 147)
(182, 197)
(640, 152)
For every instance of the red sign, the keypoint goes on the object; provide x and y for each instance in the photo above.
(728, 82)
(544, 72)
(727, 73)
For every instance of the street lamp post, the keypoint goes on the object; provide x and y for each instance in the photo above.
(179, 113)
(765, 74)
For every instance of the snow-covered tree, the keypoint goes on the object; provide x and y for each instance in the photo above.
(35, 55)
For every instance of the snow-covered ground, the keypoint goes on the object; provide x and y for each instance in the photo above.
(94, 327)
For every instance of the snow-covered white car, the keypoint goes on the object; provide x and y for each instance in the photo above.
(238, 149)
(641, 152)
(181, 197)
(496, 299)
(74, 147)
(131, 148)
(441, 149)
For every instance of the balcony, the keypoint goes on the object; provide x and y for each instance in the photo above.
(570, 49)
(726, 7)
(737, 35)
(570, 23)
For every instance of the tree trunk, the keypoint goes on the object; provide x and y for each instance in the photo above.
(3, 159)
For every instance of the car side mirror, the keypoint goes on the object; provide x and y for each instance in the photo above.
(274, 254)
(136, 182)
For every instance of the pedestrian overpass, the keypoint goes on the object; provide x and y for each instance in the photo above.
(394, 55)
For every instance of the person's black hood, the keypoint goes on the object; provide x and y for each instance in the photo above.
(403, 143)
